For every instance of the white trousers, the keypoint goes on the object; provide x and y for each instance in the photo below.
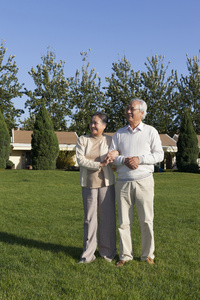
(99, 209)
(141, 193)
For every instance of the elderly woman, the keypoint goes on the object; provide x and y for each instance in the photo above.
(98, 192)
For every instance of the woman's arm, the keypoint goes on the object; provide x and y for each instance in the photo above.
(80, 155)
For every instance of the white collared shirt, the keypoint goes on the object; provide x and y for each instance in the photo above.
(144, 142)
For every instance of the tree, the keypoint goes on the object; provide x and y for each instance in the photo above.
(5, 148)
(86, 97)
(44, 142)
(159, 94)
(123, 85)
(9, 88)
(189, 92)
(28, 123)
(52, 90)
(188, 150)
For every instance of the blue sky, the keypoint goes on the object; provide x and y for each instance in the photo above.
(111, 29)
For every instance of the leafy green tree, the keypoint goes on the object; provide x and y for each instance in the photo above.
(52, 89)
(159, 94)
(9, 88)
(189, 92)
(188, 150)
(44, 142)
(123, 85)
(5, 148)
(28, 123)
(86, 97)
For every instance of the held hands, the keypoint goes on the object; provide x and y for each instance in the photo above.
(132, 162)
(109, 158)
(104, 163)
(112, 155)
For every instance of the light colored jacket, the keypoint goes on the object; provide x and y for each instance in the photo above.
(83, 148)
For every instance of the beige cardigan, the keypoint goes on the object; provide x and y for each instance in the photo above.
(83, 147)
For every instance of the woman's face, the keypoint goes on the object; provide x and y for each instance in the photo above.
(97, 126)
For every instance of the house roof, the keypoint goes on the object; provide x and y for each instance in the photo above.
(24, 137)
(70, 138)
(66, 137)
(167, 140)
(109, 133)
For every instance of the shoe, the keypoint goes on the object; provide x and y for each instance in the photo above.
(120, 263)
(107, 259)
(150, 261)
(83, 261)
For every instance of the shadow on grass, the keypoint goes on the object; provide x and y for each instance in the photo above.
(13, 239)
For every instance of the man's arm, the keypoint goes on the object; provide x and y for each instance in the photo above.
(114, 152)
(132, 162)
(112, 155)
(157, 154)
(118, 159)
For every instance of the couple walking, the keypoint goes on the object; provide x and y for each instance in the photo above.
(133, 150)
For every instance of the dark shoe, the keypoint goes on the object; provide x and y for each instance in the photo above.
(120, 263)
(150, 261)
(81, 262)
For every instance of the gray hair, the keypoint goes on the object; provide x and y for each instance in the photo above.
(143, 106)
(102, 116)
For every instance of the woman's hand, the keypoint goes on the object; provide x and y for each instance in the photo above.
(104, 163)
(109, 158)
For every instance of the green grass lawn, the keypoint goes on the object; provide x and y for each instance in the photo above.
(41, 233)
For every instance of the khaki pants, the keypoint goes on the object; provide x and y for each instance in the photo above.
(141, 193)
(99, 207)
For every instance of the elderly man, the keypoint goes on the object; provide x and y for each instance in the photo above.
(139, 148)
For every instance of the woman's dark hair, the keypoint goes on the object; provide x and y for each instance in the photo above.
(102, 116)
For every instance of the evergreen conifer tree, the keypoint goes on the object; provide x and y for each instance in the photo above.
(44, 142)
(188, 150)
(5, 148)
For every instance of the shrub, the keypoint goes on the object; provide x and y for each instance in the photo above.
(9, 164)
(44, 142)
(5, 148)
(188, 150)
(65, 160)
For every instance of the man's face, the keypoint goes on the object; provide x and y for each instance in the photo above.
(133, 113)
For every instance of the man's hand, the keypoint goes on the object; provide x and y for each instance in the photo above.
(132, 162)
(112, 155)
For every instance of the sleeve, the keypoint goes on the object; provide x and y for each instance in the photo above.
(80, 155)
(157, 154)
(119, 160)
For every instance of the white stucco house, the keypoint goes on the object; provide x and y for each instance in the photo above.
(21, 146)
